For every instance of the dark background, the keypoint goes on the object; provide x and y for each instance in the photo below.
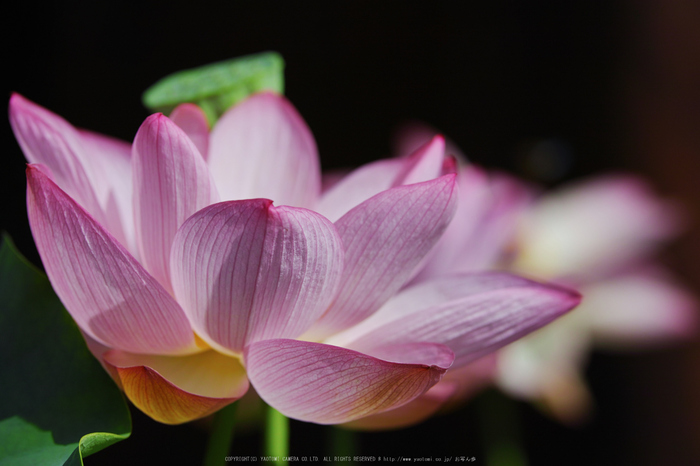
(615, 83)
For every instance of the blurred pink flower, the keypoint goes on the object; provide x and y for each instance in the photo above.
(188, 283)
(596, 236)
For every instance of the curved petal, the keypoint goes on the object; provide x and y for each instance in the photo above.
(107, 292)
(475, 325)
(385, 238)
(114, 185)
(48, 139)
(93, 169)
(329, 385)
(246, 271)
(192, 120)
(484, 225)
(177, 389)
(357, 187)
(409, 414)
(171, 182)
(424, 164)
(455, 387)
(422, 296)
(371, 179)
(263, 148)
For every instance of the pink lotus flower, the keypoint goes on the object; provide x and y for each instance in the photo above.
(595, 237)
(189, 284)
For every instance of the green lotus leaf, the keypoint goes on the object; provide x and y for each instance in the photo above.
(218, 86)
(58, 404)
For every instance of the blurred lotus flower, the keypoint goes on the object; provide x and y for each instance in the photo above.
(188, 283)
(598, 237)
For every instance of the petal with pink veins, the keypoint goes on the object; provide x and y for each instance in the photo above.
(455, 388)
(358, 186)
(247, 271)
(385, 238)
(371, 179)
(171, 182)
(262, 148)
(107, 292)
(472, 326)
(48, 139)
(179, 389)
(192, 120)
(329, 385)
(115, 190)
(409, 414)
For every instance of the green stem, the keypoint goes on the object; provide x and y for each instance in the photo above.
(221, 435)
(343, 443)
(501, 430)
(277, 436)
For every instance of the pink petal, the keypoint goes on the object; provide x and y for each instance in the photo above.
(639, 309)
(457, 386)
(428, 294)
(107, 292)
(171, 182)
(472, 326)
(357, 187)
(385, 238)
(424, 164)
(246, 271)
(262, 148)
(328, 385)
(114, 185)
(371, 179)
(493, 240)
(49, 139)
(177, 389)
(595, 227)
(474, 200)
(409, 414)
(192, 120)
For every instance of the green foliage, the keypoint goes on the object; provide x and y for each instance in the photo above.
(57, 404)
(218, 86)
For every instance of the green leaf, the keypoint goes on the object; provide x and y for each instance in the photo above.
(57, 404)
(218, 86)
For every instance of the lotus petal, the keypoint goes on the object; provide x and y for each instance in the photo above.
(328, 385)
(179, 389)
(247, 271)
(385, 238)
(263, 148)
(107, 292)
(171, 182)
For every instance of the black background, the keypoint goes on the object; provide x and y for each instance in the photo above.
(496, 77)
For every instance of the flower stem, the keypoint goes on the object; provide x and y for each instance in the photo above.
(277, 436)
(221, 435)
(501, 430)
